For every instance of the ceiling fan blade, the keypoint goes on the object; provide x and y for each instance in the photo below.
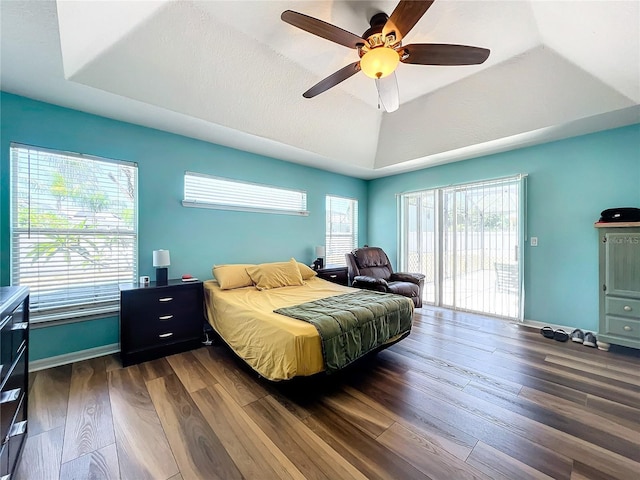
(388, 92)
(405, 16)
(322, 29)
(443, 54)
(332, 80)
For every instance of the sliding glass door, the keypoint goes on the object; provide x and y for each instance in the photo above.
(466, 239)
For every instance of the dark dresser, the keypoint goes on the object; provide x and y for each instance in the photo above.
(14, 374)
(335, 274)
(156, 321)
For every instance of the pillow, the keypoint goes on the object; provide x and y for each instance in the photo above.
(232, 276)
(274, 275)
(306, 271)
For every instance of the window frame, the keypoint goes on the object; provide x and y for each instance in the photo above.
(190, 199)
(96, 298)
(338, 258)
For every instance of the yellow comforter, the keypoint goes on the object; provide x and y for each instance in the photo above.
(276, 346)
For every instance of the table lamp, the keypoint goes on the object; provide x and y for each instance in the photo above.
(320, 253)
(161, 261)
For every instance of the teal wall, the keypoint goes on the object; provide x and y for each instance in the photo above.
(197, 238)
(570, 182)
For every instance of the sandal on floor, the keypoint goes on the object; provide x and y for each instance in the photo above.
(577, 336)
(547, 332)
(560, 335)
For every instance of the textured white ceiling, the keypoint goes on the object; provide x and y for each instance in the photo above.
(233, 73)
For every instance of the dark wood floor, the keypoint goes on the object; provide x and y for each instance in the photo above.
(463, 396)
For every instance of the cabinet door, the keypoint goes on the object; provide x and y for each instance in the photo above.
(622, 258)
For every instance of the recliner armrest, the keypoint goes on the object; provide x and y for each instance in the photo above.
(407, 277)
(364, 279)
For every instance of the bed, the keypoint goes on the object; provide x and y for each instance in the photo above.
(277, 346)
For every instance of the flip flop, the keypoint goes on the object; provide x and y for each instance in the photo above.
(547, 332)
(560, 335)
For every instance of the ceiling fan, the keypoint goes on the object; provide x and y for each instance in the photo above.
(380, 49)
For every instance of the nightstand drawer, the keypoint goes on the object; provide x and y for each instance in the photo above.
(622, 306)
(13, 334)
(157, 333)
(162, 302)
(623, 327)
(337, 275)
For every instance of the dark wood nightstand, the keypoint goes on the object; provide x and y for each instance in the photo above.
(335, 274)
(156, 321)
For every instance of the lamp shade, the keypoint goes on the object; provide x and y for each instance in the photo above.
(320, 252)
(161, 258)
(379, 62)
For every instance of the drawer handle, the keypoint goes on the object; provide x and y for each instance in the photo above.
(166, 317)
(20, 326)
(627, 328)
(627, 308)
(165, 335)
(18, 429)
(165, 299)
(333, 276)
(10, 395)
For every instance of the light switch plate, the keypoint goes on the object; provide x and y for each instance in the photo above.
(534, 241)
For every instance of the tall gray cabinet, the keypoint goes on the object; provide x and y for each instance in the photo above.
(619, 283)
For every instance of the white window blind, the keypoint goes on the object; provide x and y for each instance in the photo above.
(341, 229)
(206, 191)
(73, 231)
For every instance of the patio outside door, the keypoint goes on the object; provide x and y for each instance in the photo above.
(466, 239)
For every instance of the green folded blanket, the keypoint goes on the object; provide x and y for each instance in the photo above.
(354, 324)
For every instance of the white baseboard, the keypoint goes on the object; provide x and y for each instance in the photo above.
(536, 324)
(58, 360)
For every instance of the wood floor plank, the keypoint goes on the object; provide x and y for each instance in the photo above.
(308, 452)
(627, 394)
(427, 457)
(352, 410)
(89, 424)
(240, 386)
(143, 449)
(589, 368)
(155, 369)
(177, 476)
(591, 421)
(190, 371)
(368, 455)
(41, 456)
(614, 411)
(438, 433)
(564, 443)
(565, 417)
(48, 399)
(437, 373)
(468, 368)
(112, 362)
(587, 472)
(402, 397)
(100, 464)
(255, 457)
(197, 450)
(500, 466)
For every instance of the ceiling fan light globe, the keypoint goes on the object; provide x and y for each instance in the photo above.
(379, 62)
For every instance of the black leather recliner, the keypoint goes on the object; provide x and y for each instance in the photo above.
(370, 268)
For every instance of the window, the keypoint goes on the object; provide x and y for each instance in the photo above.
(341, 230)
(73, 231)
(466, 239)
(206, 191)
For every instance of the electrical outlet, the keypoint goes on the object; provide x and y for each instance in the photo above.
(534, 241)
